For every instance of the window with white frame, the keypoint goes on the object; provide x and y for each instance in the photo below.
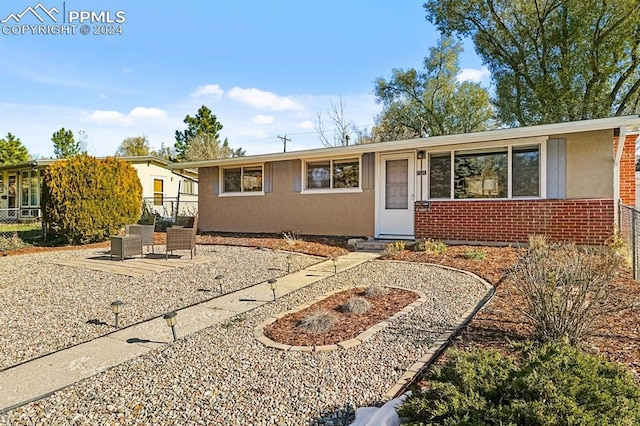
(187, 186)
(245, 179)
(525, 175)
(332, 174)
(440, 176)
(480, 174)
(486, 173)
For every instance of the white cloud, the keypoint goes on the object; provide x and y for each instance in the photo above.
(127, 70)
(264, 100)
(306, 125)
(108, 117)
(102, 96)
(475, 75)
(208, 90)
(263, 119)
(254, 133)
(116, 117)
(148, 113)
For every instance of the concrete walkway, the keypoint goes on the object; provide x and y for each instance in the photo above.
(41, 377)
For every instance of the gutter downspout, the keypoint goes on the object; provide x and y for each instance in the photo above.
(616, 175)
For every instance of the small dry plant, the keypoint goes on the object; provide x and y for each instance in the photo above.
(565, 289)
(618, 244)
(538, 241)
(292, 237)
(356, 305)
(394, 248)
(433, 247)
(376, 291)
(318, 322)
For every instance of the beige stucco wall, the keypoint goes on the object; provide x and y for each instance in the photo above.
(589, 164)
(284, 208)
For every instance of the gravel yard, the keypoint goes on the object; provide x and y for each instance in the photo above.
(45, 307)
(220, 375)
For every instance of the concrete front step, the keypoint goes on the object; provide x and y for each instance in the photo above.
(370, 245)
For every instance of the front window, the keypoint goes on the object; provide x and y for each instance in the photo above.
(440, 176)
(526, 172)
(242, 179)
(486, 173)
(29, 194)
(333, 174)
(481, 174)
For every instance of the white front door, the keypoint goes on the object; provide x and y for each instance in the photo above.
(395, 196)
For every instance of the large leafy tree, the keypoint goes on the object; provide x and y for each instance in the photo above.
(431, 101)
(552, 60)
(203, 123)
(12, 151)
(205, 146)
(134, 146)
(64, 144)
(167, 152)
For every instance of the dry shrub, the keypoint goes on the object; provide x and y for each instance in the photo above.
(565, 289)
(292, 238)
(356, 305)
(376, 291)
(318, 322)
(538, 241)
(394, 248)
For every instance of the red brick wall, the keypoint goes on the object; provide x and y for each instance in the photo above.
(584, 221)
(627, 170)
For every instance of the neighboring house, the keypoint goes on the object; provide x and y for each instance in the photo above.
(562, 180)
(20, 186)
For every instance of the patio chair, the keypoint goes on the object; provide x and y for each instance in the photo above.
(144, 231)
(182, 238)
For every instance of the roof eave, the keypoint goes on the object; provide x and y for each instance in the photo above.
(489, 135)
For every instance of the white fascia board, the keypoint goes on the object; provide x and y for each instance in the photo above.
(632, 122)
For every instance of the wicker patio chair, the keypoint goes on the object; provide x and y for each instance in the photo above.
(145, 232)
(182, 238)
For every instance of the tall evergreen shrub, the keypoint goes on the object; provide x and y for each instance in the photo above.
(85, 199)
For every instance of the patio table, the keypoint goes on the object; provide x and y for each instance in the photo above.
(126, 246)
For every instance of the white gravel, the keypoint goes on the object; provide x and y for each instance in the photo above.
(45, 307)
(222, 375)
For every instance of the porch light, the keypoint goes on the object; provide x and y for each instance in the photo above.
(171, 319)
(218, 279)
(116, 308)
(273, 283)
(288, 263)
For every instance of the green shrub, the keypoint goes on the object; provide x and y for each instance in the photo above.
(552, 384)
(565, 289)
(85, 199)
(474, 254)
(434, 247)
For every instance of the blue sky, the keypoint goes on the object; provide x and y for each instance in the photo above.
(265, 68)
